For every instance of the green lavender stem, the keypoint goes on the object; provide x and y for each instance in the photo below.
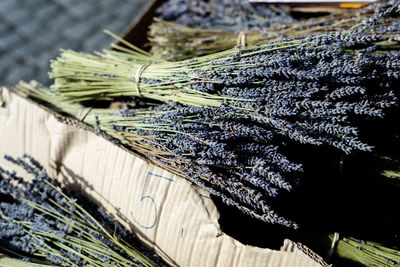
(367, 253)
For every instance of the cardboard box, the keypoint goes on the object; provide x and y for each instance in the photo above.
(176, 218)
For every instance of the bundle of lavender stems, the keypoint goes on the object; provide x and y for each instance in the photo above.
(174, 137)
(192, 28)
(42, 222)
(171, 41)
(173, 37)
(228, 15)
(228, 115)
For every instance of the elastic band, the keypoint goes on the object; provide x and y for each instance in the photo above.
(83, 112)
(137, 77)
(333, 246)
(241, 39)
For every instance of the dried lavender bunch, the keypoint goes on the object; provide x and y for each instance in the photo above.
(349, 250)
(310, 90)
(175, 42)
(172, 41)
(217, 149)
(196, 144)
(233, 16)
(39, 222)
(366, 253)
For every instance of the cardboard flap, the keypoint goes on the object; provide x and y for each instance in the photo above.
(177, 219)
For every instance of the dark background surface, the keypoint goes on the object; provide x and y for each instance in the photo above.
(33, 31)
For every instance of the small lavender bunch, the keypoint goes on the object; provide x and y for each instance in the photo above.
(366, 252)
(40, 223)
(348, 251)
(233, 16)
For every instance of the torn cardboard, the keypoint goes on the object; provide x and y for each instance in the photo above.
(176, 218)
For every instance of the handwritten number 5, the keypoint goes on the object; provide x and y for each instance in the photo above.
(143, 197)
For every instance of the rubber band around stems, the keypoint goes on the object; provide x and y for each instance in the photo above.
(83, 112)
(139, 73)
(241, 39)
(333, 246)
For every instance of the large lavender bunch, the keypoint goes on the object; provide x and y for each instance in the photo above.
(234, 16)
(307, 90)
(197, 144)
(40, 222)
(238, 161)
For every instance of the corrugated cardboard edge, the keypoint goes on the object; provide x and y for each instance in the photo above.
(299, 248)
(171, 215)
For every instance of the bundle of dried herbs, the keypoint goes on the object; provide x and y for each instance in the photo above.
(174, 40)
(366, 253)
(41, 222)
(200, 149)
(233, 16)
(306, 90)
